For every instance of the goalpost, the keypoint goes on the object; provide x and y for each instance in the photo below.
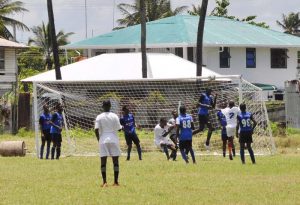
(149, 100)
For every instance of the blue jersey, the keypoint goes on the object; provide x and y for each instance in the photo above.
(222, 120)
(57, 119)
(185, 127)
(207, 100)
(245, 121)
(45, 121)
(127, 121)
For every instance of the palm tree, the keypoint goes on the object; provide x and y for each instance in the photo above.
(290, 23)
(155, 9)
(196, 10)
(200, 36)
(7, 8)
(43, 41)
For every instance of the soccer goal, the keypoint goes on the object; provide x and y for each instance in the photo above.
(149, 100)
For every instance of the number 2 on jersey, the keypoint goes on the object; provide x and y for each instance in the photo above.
(231, 115)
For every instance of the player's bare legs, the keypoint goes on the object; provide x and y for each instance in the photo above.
(224, 147)
(230, 142)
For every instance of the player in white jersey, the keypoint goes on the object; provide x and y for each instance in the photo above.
(161, 139)
(231, 113)
(106, 126)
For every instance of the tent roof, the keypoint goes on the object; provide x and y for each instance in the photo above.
(124, 66)
(181, 30)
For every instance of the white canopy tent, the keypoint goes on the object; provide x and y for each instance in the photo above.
(125, 66)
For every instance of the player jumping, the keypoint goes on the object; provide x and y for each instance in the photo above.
(206, 102)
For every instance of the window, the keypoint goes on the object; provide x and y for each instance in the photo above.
(250, 58)
(278, 58)
(191, 54)
(225, 57)
(298, 59)
(2, 57)
(179, 52)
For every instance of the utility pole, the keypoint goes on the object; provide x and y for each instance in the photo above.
(53, 40)
(85, 13)
(143, 38)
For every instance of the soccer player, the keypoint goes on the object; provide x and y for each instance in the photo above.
(206, 102)
(223, 123)
(172, 123)
(128, 123)
(244, 120)
(106, 126)
(55, 131)
(185, 127)
(231, 113)
(45, 125)
(162, 140)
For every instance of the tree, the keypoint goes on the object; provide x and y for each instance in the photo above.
(200, 36)
(155, 9)
(42, 40)
(290, 23)
(8, 8)
(196, 10)
(222, 11)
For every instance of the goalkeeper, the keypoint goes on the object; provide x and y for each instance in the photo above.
(206, 102)
(128, 123)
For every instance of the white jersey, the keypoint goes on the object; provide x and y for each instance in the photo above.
(172, 122)
(108, 124)
(231, 116)
(158, 135)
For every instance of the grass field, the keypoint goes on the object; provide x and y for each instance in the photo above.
(213, 180)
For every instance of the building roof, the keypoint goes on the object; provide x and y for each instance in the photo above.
(181, 31)
(125, 66)
(11, 44)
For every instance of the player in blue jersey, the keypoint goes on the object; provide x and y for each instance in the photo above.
(185, 127)
(55, 130)
(45, 125)
(206, 102)
(246, 124)
(128, 123)
(223, 123)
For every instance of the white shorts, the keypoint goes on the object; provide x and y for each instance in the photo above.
(166, 142)
(109, 150)
(230, 131)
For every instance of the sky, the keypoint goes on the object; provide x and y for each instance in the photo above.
(102, 14)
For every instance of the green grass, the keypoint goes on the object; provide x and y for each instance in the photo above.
(213, 180)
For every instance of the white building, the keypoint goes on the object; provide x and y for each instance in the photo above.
(230, 47)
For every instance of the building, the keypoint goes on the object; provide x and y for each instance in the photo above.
(230, 47)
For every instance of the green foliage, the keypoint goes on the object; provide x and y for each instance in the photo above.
(155, 9)
(109, 96)
(31, 58)
(290, 23)
(221, 10)
(9, 8)
(25, 73)
(156, 97)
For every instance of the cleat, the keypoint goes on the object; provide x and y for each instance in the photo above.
(230, 157)
(104, 185)
(116, 184)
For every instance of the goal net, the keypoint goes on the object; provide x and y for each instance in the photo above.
(148, 100)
